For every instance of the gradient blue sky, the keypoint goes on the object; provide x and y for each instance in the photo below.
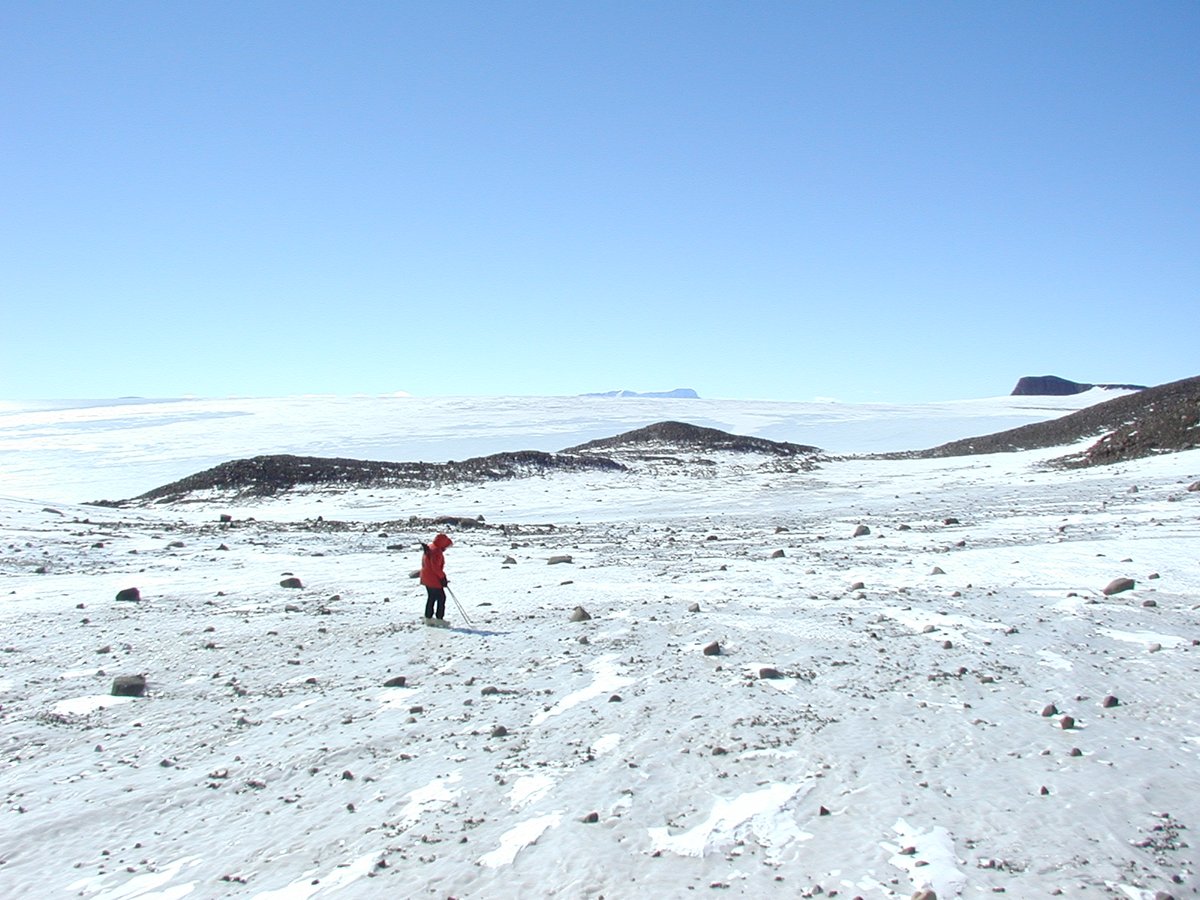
(867, 201)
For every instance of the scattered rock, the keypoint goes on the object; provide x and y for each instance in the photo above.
(937, 570)
(509, 561)
(559, 560)
(693, 607)
(591, 818)
(1110, 701)
(1066, 723)
(713, 649)
(1117, 585)
(950, 520)
(291, 583)
(769, 672)
(778, 554)
(397, 681)
(499, 731)
(129, 595)
(862, 531)
(129, 686)
(858, 586)
(924, 894)
(1049, 711)
(1194, 486)
(579, 614)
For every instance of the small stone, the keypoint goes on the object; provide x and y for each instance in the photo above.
(778, 554)
(579, 614)
(947, 645)
(769, 672)
(693, 607)
(591, 818)
(347, 775)
(615, 698)
(560, 560)
(713, 649)
(1050, 710)
(129, 595)
(1110, 701)
(862, 531)
(937, 570)
(1066, 723)
(1075, 751)
(1149, 603)
(499, 731)
(823, 812)
(396, 681)
(295, 583)
(509, 561)
(858, 586)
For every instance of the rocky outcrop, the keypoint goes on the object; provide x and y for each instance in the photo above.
(1163, 419)
(1053, 386)
(682, 435)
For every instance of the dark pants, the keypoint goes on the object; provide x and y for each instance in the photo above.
(437, 596)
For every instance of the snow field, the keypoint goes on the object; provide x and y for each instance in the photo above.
(903, 746)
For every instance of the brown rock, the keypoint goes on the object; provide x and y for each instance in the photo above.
(1117, 585)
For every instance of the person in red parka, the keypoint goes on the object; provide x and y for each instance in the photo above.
(433, 576)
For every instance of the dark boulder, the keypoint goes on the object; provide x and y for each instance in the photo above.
(129, 686)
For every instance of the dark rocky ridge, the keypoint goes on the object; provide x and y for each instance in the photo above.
(680, 435)
(1163, 419)
(264, 476)
(1053, 386)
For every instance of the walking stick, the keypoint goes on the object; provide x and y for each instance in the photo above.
(466, 618)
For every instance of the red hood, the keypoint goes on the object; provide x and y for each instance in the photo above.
(442, 542)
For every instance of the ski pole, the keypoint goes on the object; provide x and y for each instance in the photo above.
(460, 606)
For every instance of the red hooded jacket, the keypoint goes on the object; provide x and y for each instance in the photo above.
(433, 564)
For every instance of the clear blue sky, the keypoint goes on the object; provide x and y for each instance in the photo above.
(869, 201)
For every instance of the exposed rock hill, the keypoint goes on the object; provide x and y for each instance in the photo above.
(1053, 386)
(682, 436)
(267, 475)
(1163, 419)
(667, 442)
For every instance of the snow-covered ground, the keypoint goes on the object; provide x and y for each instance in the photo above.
(906, 742)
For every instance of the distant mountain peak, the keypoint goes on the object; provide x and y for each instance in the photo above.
(678, 393)
(1053, 386)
